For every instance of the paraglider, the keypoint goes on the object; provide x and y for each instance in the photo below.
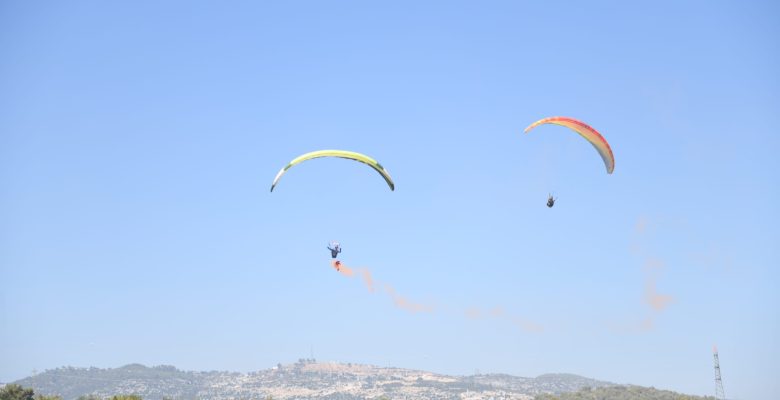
(340, 154)
(335, 249)
(550, 201)
(590, 134)
(584, 130)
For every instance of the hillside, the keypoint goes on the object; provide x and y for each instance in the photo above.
(303, 380)
(621, 392)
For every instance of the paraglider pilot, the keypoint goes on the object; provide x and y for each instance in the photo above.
(334, 252)
(550, 201)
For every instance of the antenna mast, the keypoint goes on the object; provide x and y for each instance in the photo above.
(718, 382)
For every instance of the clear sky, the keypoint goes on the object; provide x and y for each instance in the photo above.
(138, 142)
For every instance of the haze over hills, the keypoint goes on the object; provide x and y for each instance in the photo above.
(306, 379)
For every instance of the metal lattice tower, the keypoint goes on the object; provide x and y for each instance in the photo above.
(718, 382)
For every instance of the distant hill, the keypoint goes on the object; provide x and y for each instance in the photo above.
(151, 383)
(306, 379)
(621, 392)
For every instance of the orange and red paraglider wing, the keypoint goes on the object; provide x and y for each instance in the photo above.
(590, 134)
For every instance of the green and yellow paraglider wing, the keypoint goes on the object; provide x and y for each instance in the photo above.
(351, 155)
(590, 134)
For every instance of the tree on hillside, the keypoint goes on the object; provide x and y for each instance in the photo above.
(16, 392)
(127, 397)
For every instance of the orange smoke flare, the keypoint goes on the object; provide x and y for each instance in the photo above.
(341, 268)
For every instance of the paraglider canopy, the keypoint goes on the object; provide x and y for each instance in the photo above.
(350, 155)
(590, 134)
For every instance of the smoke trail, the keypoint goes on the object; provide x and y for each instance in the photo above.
(497, 312)
(350, 272)
(398, 300)
(641, 225)
(658, 302)
(527, 326)
(367, 279)
(652, 267)
(404, 303)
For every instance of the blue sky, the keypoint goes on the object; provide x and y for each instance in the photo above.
(138, 142)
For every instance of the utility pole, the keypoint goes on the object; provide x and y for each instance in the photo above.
(718, 382)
